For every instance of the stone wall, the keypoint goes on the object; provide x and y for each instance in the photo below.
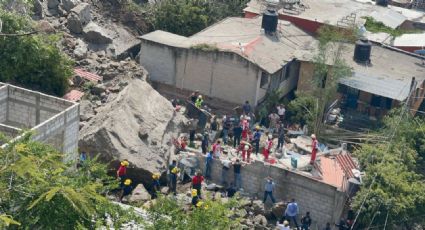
(324, 202)
(55, 121)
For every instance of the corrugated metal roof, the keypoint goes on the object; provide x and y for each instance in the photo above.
(412, 40)
(88, 76)
(347, 164)
(381, 86)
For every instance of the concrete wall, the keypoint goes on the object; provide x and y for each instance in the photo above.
(55, 121)
(324, 202)
(9, 131)
(217, 74)
(305, 77)
(3, 103)
(159, 60)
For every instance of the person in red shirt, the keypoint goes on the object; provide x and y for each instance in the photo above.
(197, 182)
(268, 147)
(314, 147)
(246, 150)
(122, 171)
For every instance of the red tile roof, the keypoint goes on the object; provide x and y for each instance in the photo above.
(347, 164)
(331, 172)
(74, 95)
(87, 75)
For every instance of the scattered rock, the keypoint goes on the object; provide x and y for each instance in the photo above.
(45, 26)
(98, 89)
(52, 4)
(258, 207)
(278, 209)
(260, 220)
(79, 17)
(95, 34)
(165, 190)
(69, 4)
(38, 9)
(139, 194)
(80, 50)
(86, 117)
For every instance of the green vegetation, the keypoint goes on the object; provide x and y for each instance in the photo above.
(187, 17)
(41, 192)
(329, 67)
(33, 60)
(375, 26)
(205, 47)
(395, 170)
(167, 213)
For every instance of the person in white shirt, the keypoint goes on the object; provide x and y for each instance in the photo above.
(281, 112)
(283, 225)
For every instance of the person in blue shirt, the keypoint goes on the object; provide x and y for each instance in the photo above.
(208, 163)
(268, 190)
(256, 139)
(291, 212)
(246, 108)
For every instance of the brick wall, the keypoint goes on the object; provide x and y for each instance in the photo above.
(323, 201)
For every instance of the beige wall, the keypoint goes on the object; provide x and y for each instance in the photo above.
(223, 75)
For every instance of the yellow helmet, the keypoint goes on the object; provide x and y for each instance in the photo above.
(199, 204)
(175, 170)
(156, 176)
(127, 182)
(194, 192)
(257, 127)
(124, 163)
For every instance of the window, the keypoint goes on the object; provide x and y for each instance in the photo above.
(285, 72)
(264, 80)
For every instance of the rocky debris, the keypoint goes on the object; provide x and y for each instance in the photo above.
(79, 17)
(165, 190)
(113, 132)
(98, 89)
(260, 220)
(69, 4)
(278, 209)
(52, 4)
(95, 34)
(80, 51)
(45, 27)
(257, 207)
(139, 194)
(38, 9)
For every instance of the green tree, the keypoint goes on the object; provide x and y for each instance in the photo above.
(33, 60)
(393, 174)
(41, 192)
(187, 17)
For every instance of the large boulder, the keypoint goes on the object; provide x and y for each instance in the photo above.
(95, 34)
(79, 17)
(114, 132)
(278, 209)
(69, 4)
(52, 4)
(139, 194)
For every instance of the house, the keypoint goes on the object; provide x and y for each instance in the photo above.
(410, 42)
(310, 15)
(233, 60)
(375, 88)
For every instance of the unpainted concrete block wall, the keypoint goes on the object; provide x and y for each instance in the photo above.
(324, 202)
(55, 121)
(3, 103)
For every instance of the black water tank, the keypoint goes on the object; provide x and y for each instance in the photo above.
(382, 2)
(362, 51)
(269, 23)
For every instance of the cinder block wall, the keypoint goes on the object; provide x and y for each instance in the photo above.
(324, 202)
(3, 103)
(55, 121)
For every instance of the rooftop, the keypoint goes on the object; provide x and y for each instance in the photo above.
(412, 40)
(243, 36)
(389, 74)
(315, 10)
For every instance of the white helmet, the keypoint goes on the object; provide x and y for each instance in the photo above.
(270, 136)
(248, 118)
(246, 147)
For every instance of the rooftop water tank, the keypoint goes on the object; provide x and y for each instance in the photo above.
(269, 22)
(382, 2)
(362, 51)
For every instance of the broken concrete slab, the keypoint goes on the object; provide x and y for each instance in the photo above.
(69, 4)
(95, 34)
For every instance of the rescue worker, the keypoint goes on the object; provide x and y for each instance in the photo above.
(246, 150)
(195, 197)
(245, 127)
(314, 146)
(122, 172)
(174, 170)
(126, 189)
(268, 147)
(156, 185)
(197, 183)
(199, 102)
(204, 143)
